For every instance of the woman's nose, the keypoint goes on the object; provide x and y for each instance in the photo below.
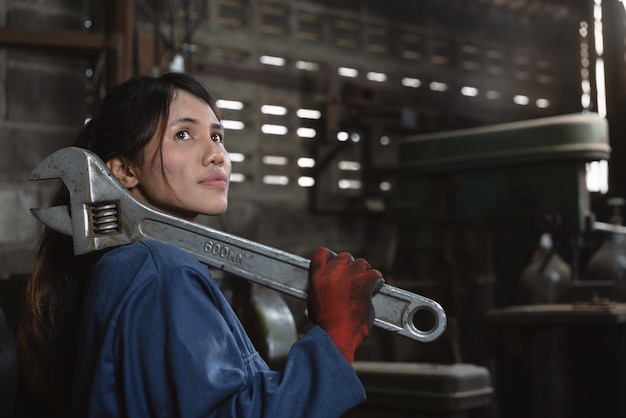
(213, 153)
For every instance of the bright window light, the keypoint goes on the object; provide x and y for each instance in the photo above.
(276, 180)
(385, 186)
(342, 136)
(411, 82)
(229, 104)
(346, 184)
(438, 86)
(585, 100)
(599, 65)
(600, 87)
(236, 157)
(469, 91)
(275, 160)
(349, 165)
(306, 162)
(347, 72)
(542, 103)
(597, 176)
(597, 28)
(274, 110)
(585, 84)
(308, 114)
(306, 132)
(378, 77)
(521, 100)
(306, 181)
(274, 129)
(269, 60)
(307, 66)
(237, 178)
(233, 125)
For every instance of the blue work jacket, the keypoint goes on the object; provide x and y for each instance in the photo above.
(158, 339)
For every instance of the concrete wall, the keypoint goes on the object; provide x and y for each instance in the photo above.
(42, 104)
(45, 95)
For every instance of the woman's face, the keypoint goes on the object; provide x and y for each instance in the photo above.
(196, 165)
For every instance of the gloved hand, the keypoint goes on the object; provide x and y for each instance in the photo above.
(340, 298)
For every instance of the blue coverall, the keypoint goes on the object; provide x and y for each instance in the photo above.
(158, 339)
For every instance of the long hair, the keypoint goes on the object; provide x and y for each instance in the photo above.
(130, 116)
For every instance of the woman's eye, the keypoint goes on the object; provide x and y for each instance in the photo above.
(219, 138)
(182, 135)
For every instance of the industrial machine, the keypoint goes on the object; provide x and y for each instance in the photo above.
(484, 196)
(500, 219)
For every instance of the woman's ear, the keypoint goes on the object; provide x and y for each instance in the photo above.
(123, 172)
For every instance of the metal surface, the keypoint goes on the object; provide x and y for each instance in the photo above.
(608, 227)
(560, 314)
(105, 214)
(430, 389)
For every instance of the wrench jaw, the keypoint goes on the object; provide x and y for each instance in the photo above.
(93, 215)
(55, 217)
(100, 222)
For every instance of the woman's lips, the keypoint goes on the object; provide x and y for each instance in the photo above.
(217, 179)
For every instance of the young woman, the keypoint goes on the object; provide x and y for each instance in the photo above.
(142, 330)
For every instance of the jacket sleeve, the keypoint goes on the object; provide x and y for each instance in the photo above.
(181, 351)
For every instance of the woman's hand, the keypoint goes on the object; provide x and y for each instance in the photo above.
(340, 298)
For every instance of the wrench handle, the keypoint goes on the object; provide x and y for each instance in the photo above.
(287, 273)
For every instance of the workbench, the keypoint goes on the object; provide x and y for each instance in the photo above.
(560, 360)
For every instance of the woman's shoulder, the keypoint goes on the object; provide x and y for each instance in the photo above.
(146, 263)
(149, 252)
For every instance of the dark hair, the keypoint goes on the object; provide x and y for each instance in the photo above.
(129, 117)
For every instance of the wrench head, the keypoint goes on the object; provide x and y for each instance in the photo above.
(55, 217)
(92, 215)
(71, 165)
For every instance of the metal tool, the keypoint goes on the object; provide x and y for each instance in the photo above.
(104, 214)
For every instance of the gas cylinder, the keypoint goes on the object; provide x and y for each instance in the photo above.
(547, 278)
(609, 261)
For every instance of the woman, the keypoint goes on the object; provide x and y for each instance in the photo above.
(142, 330)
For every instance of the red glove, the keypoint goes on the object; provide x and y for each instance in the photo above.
(340, 298)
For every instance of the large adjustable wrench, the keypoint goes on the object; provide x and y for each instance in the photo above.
(104, 214)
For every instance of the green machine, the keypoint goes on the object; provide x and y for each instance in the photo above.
(484, 196)
(498, 172)
(470, 210)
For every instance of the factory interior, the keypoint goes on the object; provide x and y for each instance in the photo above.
(473, 151)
